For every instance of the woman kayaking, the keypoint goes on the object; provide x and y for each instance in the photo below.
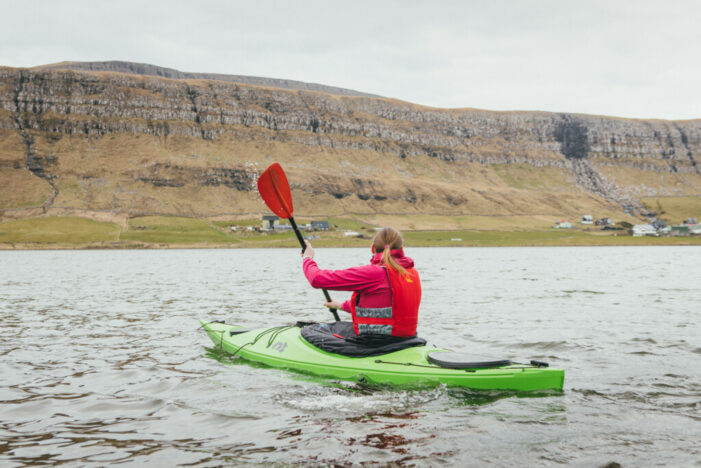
(386, 293)
(379, 346)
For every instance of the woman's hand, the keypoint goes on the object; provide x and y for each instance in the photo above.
(308, 252)
(334, 304)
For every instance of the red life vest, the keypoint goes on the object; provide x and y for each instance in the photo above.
(401, 318)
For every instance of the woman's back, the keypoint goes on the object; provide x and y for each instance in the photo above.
(386, 293)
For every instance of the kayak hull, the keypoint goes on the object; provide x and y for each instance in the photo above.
(284, 347)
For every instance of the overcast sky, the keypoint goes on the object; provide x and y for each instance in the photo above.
(627, 58)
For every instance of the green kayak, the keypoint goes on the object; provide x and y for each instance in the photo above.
(285, 348)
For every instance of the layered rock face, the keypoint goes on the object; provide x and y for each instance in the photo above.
(142, 145)
(131, 68)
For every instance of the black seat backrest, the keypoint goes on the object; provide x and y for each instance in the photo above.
(453, 360)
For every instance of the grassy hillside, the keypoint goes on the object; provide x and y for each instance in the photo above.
(58, 230)
(674, 210)
(169, 230)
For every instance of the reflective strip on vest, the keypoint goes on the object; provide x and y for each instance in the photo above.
(366, 328)
(380, 312)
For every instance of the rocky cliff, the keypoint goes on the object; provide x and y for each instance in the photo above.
(138, 144)
(132, 68)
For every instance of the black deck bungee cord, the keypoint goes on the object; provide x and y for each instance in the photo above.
(523, 366)
(274, 332)
(380, 361)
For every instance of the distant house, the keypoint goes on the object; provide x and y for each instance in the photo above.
(690, 221)
(681, 230)
(270, 222)
(640, 230)
(604, 222)
(587, 219)
(563, 224)
(320, 225)
(350, 234)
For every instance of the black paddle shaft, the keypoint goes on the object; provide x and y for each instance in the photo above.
(304, 247)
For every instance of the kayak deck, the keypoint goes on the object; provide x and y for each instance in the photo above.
(284, 347)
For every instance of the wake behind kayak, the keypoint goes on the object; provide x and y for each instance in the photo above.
(285, 348)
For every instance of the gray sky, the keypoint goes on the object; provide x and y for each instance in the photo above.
(626, 58)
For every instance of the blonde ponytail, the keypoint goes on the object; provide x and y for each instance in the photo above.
(388, 239)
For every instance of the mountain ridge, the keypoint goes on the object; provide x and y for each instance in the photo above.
(142, 144)
(146, 69)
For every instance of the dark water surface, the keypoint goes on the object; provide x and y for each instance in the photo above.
(101, 360)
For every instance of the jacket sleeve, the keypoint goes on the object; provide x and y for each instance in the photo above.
(350, 279)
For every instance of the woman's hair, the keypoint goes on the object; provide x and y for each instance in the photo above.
(392, 239)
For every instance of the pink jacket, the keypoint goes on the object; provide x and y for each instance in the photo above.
(370, 281)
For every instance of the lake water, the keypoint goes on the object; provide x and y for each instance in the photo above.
(101, 360)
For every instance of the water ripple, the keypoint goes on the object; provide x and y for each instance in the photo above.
(102, 363)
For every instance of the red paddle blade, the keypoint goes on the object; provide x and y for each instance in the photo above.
(275, 191)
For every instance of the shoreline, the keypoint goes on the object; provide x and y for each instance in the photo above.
(157, 232)
(656, 242)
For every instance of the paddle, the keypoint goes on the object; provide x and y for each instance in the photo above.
(275, 191)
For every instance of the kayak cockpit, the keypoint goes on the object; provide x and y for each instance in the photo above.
(339, 338)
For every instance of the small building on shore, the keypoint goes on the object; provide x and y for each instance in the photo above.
(680, 230)
(640, 230)
(320, 225)
(270, 222)
(587, 219)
